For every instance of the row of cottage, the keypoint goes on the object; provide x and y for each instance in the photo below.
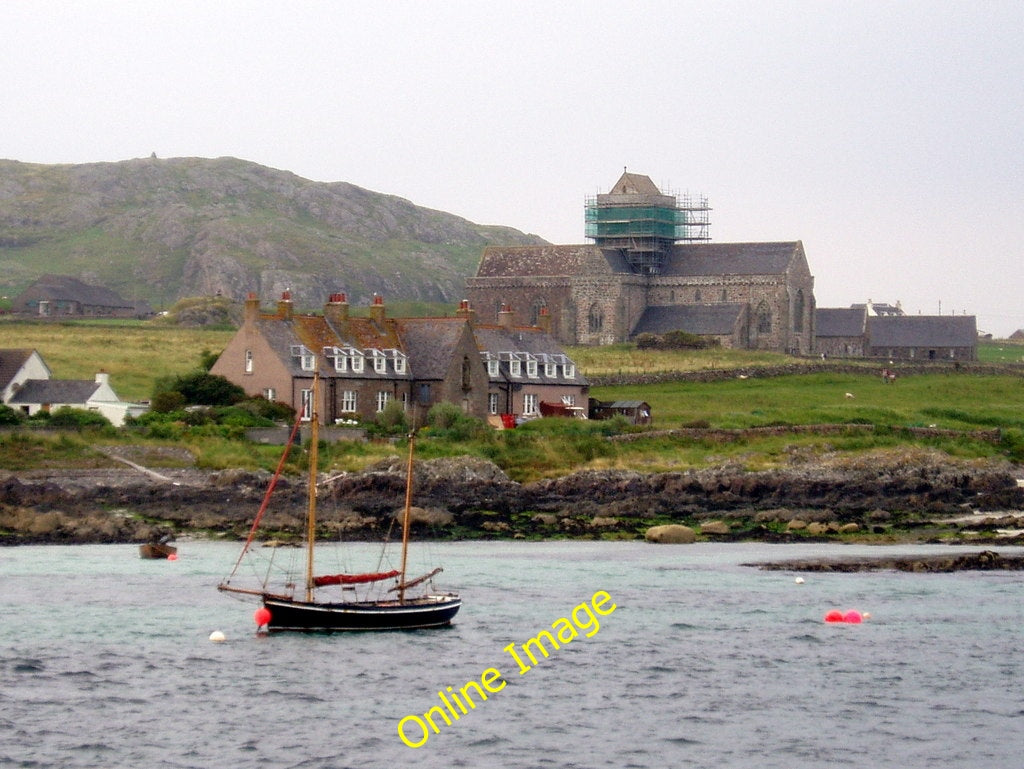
(491, 371)
(365, 363)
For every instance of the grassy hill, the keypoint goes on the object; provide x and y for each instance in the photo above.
(163, 229)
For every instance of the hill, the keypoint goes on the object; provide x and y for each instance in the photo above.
(163, 229)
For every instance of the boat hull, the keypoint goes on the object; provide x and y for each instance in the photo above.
(156, 550)
(425, 612)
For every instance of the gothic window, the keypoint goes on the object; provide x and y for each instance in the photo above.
(595, 320)
(725, 295)
(696, 295)
(672, 295)
(798, 311)
(764, 319)
(467, 374)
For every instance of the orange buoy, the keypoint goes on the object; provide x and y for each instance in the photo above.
(834, 616)
(261, 616)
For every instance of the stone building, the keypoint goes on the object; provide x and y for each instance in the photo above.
(649, 271)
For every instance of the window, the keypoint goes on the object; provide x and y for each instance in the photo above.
(725, 295)
(535, 309)
(399, 362)
(380, 363)
(764, 319)
(696, 295)
(423, 393)
(531, 367)
(306, 398)
(348, 401)
(248, 361)
(382, 399)
(270, 394)
(798, 311)
(595, 318)
(530, 403)
(308, 360)
(357, 362)
(340, 362)
(492, 368)
(570, 371)
(550, 370)
(492, 403)
(515, 368)
(467, 374)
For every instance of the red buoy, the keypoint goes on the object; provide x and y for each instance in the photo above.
(172, 557)
(262, 616)
(853, 616)
(834, 616)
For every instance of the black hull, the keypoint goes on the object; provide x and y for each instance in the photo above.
(416, 613)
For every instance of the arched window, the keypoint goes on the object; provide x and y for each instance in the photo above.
(696, 295)
(595, 319)
(764, 318)
(467, 373)
(798, 311)
(725, 295)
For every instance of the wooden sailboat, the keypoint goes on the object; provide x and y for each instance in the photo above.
(400, 607)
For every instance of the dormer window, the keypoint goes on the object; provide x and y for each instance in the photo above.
(307, 360)
(569, 370)
(398, 360)
(531, 367)
(515, 368)
(380, 363)
(550, 370)
(492, 367)
(358, 362)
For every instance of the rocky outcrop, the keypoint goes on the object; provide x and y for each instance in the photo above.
(671, 534)
(986, 560)
(467, 497)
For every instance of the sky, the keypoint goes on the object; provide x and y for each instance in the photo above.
(884, 135)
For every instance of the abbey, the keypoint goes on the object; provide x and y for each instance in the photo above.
(650, 270)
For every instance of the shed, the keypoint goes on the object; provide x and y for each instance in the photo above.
(637, 412)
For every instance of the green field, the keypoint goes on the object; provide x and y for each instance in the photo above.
(137, 354)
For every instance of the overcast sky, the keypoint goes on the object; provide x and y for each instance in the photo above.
(885, 135)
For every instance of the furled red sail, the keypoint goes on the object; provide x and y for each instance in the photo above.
(352, 579)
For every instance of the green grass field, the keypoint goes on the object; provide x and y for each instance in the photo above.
(136, 354)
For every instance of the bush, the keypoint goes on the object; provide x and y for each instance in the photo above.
(201, 388)
(77, 419)
(9, 416)
(392, 421)
(448, 421)
(167, 401)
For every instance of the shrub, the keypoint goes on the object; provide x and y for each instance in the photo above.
(167, 401)
(9, 416)
(76, 419)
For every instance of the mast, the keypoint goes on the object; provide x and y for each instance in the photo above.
(405, 522)
(314, 448)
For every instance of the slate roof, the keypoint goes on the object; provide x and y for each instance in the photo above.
(430, 344)
(923, 331)
(692, 318)
(497, 339)
(69, 391)
(685, 259)
(66, 288)
(840, 321)
(537, 261)
(634, 184)
(11, 362)
(691, 259)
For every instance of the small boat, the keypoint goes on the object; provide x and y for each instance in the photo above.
(157, 550)
(296, 604)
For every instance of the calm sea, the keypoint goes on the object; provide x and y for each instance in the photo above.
(106, 661)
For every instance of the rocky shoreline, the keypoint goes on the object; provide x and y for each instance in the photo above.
(921, 497)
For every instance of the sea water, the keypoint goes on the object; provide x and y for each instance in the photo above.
(106, 661)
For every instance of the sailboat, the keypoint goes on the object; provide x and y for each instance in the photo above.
(297, 605)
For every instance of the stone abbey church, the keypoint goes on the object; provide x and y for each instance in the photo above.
(650, 269)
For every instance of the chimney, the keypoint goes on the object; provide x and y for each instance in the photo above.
(284, 306)
(377, 310)
(544, 320)
(103, 378)
(252, 309)
(505, 317)
(465, 311)
(336, 312)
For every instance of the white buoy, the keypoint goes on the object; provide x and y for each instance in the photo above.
(217, 637)
(799, 580)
